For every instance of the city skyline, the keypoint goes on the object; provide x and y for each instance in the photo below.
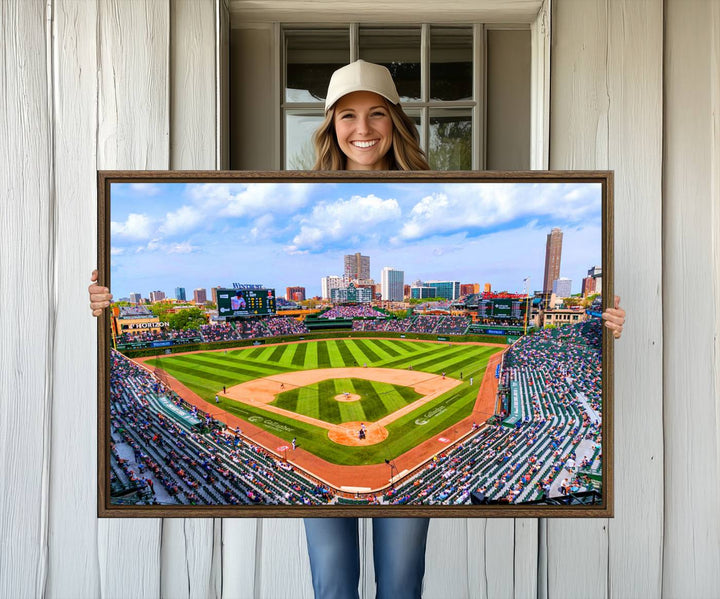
(172, 235)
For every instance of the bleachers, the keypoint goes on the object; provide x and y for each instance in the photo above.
(548, 372)
(211, 467)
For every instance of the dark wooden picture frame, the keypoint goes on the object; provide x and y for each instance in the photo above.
(549, 419)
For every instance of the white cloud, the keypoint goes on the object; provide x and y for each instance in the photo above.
(136, 227)
(472, 206)
(253, 199)
(181, 248)
(146, 189)
(182, 220)
(358, 217)
(115, 251)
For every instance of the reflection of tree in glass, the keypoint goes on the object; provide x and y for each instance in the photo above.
(303, 159)
(450, 145)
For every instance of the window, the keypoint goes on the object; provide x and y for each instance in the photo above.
(436, 69)
(467, 87)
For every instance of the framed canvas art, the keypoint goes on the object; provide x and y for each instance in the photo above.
(355, 344)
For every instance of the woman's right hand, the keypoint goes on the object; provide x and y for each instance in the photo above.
(100, 297)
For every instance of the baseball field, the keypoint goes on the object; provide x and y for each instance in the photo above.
(321, 393)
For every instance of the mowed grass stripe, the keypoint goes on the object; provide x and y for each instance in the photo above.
(254, 353)
(253, 370)
(334, 355)
(329, 410)
(377, 349)
(308, 402)
(372, 405)
(352, 411)
(445, 354)
(357, 355)
(323, 357)
(287, 400)
(229, 363)
(386, 347)
(413, 359)
(277, 353)
(347, 357)
(299, 358)
(367, 351)
(391, 397)
(192, 368)
(311, 358)
(405, 346)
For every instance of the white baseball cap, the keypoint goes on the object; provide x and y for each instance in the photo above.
(361, 76)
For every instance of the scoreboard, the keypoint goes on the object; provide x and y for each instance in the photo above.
(506, 308)
(245, 302)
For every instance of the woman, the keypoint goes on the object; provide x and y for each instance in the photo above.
(365, 129)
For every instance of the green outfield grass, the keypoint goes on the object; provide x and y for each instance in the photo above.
(206, 373)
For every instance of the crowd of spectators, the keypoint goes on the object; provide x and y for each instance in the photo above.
(202, 464)
(557, 437)
(443, 325)
(357, 311)
(247, 328)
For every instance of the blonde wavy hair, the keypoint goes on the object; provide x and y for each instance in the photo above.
(405, 153)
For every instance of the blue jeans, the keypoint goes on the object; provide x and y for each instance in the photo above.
(398, 552)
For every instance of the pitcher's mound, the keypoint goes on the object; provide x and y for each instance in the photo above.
(347, 397)
(347, 433)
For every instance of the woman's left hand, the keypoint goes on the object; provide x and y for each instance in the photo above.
(615, 318)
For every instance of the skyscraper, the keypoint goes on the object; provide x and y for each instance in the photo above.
(180, 294)
(562, 287)
(393, 282)
(357, 266)
(135, 298)
(157, 296)
(200, 296)
(553, 252)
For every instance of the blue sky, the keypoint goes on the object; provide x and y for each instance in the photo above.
(167, 235)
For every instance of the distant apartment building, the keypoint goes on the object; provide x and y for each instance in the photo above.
(562, 287)
(487, 288)
(421, 292)
(295, 294)
(588, 286)
(136, 298)
(356, 266)
(393, 282)
(157, 296)
(445, 289)
(469, 288)
(200, 296)
(327, 284)
(553, 254)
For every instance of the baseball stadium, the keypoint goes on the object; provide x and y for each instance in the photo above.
(351, 403)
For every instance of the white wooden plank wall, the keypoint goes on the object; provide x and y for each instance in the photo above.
(606, 112)
(73, 557)
(692, 273)
(133, 131)
(116, 84)
(27, 316)
(190, 566)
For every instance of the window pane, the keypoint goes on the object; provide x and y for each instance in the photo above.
(450, 140)
(399, 51)
(299, 150)
(311, 58)
(451, 56)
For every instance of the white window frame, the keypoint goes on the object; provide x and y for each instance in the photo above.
(535, 15)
